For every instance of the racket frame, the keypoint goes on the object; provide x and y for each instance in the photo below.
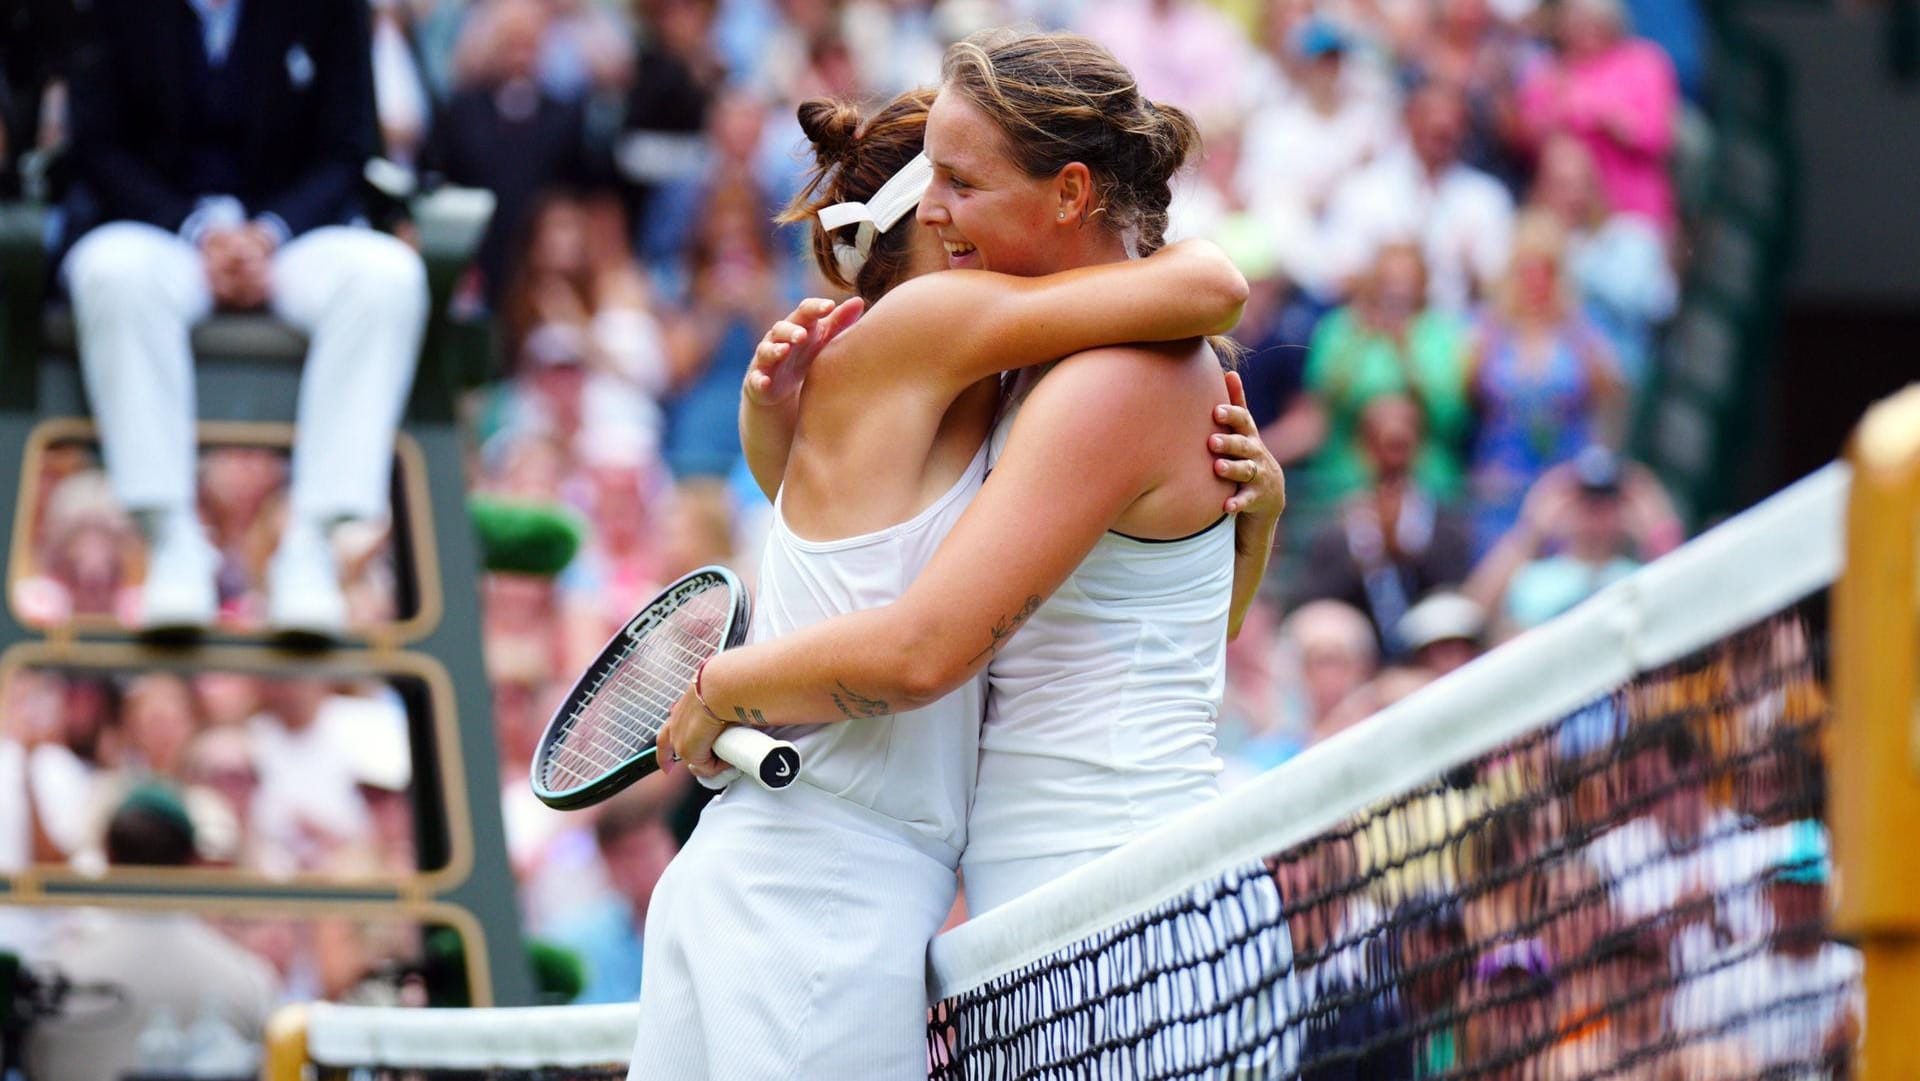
(740, 611)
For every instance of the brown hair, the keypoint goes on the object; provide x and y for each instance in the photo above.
(1062, 98)
(853, 158)
(518, 310)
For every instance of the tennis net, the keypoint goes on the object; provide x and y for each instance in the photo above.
(1598, 852)
(324, 1042)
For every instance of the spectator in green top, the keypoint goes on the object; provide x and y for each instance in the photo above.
(1387, 341)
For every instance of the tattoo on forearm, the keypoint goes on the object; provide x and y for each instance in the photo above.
(750, 716)
(859, 706)
(1003, 629)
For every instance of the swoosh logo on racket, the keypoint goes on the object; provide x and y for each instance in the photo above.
(782, 769)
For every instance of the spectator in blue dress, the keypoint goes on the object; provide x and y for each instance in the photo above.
(1542, 376)
(1618, 261)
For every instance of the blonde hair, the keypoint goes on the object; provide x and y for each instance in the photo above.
(1539, 234)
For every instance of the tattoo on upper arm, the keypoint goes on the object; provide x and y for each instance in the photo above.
(859, 706)
(750, 716)
(1004, 627)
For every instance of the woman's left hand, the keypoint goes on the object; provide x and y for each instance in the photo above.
(1242, 456)
(786, 352)
(687, 739)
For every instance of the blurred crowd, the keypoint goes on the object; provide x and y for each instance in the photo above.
(280, 775)
(85, 557)
(272, 776)
(1639, 890)
(1460, 220)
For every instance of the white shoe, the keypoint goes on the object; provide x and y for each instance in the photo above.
(303, 587)
(180, 595)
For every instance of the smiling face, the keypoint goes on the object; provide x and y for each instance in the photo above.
(987, 212)
(925, 252)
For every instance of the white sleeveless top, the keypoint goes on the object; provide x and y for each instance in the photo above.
(1101, 709)
(917, 767)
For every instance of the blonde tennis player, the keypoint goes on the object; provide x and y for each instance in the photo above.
(787, 939)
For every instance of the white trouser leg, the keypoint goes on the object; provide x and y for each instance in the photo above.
(362, 298)
(137, 289)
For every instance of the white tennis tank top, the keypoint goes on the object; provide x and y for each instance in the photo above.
(1101, 710)
(917, 767)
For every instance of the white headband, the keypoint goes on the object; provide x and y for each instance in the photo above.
(900, 194)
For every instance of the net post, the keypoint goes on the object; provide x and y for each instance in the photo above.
(286, 1058)
(1874, 759)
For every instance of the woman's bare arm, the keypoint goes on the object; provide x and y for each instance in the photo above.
(1082, 451)
(770, 394)
(987, 323)
(1262, 497)
(984, 323)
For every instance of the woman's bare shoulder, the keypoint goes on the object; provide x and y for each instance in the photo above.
(1140, 368)
(1126, 387)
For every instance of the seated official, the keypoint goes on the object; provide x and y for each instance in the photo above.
(217, 152)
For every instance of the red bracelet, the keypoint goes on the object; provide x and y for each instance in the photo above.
(699, 672)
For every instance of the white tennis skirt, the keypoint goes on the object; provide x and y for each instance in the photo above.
(788, 939)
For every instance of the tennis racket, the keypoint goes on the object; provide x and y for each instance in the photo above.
(603, 737)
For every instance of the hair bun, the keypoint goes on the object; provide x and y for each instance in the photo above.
(1173, 138)
(833, 127)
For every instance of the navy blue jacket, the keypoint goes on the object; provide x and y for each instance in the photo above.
(286, 125)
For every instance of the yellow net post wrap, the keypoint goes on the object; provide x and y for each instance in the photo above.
(1875, 758)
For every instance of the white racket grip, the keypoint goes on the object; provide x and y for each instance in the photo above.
(772, 763)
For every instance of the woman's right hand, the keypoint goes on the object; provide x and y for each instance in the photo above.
(1241, 456)
(781, 360)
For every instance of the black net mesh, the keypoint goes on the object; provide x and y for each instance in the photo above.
(1633, 891)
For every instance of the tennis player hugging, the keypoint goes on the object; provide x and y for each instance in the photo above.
(1008, 674)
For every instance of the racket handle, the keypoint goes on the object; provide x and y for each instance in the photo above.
(772, 763)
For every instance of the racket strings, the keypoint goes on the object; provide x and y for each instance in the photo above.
(621, 714)
(640, 697)
(622, 718)
(624, 713)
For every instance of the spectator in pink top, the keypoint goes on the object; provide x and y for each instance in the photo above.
(1618, 95)
(1181, 51)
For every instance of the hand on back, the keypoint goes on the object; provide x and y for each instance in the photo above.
(1242, 456)
(781, 360)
